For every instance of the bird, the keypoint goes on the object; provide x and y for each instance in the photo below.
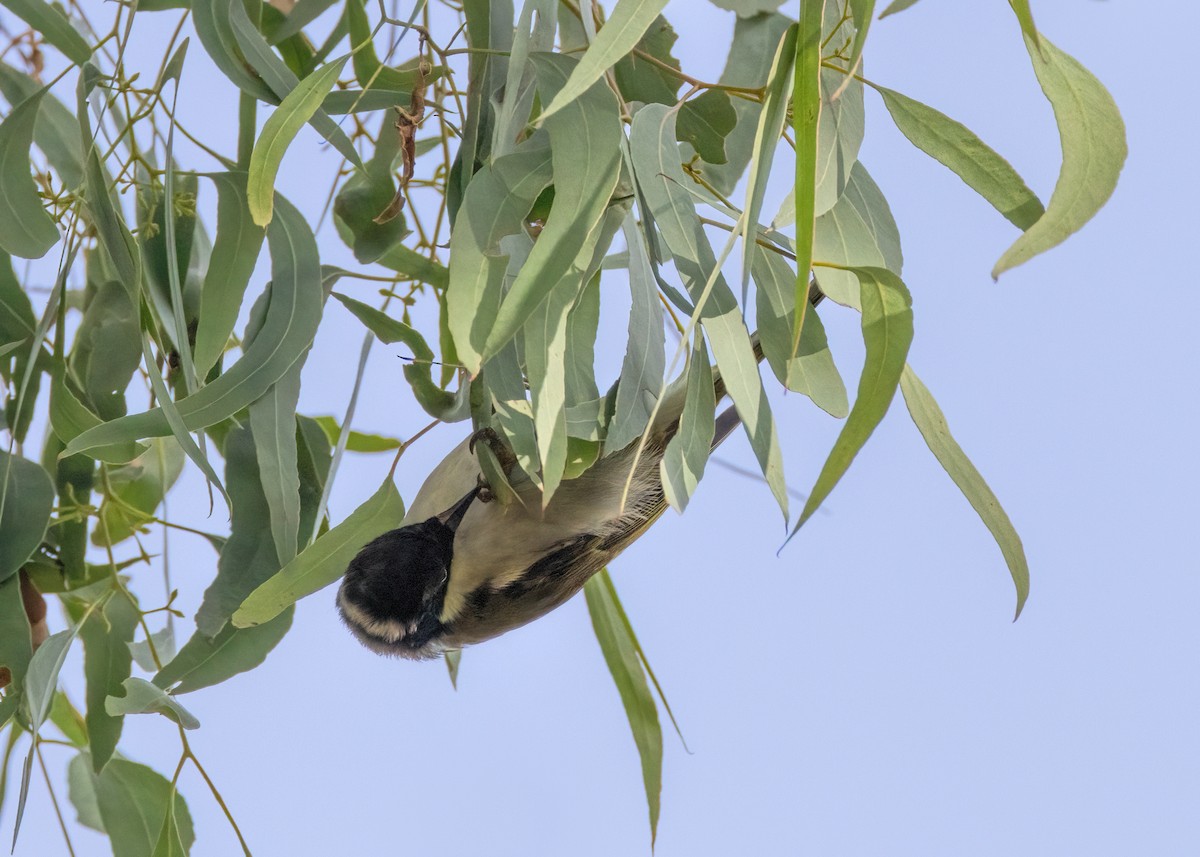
(460, 570)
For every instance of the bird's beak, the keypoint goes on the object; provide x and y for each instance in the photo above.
(453, 516)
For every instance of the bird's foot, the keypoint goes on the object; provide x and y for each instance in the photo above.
(504, 456)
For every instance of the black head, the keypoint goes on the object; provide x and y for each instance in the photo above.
(392, 593)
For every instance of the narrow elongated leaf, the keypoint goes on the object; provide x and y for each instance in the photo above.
(645, 356)
(496, 203)
(619, 647)
(277, 134)
(887, 326)
(811, 371)
(863, 11)
(287, 331)
(16, 648)
(1094, 151)
(771, 123)
(215, 30)
(113, 234)
(358, 441)
(279, 77)
(896, 6)
(956, 147)
(682, 464)
(26, 502)
(857, 232)
(513, 112)
(625, 27)
(750, 55)
(41, 679)
(656, 163)
(1025, 16)
(205, 661)
(931, 422)
(586, 152)
(806, 118)
(142, 697)
(52, 25)
(235, 253)
(273, 423)
(26, 229)
(324, 561)
(250, 556)
(437, 402)
(106, 663)
(56, 132)
(545, 336)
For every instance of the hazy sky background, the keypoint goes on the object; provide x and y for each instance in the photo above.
(865, 693)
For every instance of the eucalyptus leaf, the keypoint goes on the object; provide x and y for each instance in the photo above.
(1094, 151)
(206, 661)
(56, 131)
(682, 464)
(931, 422)
(324, 561)
(887, 326)
(281, 127)
(26, 229)
(896, 6)
(133, 803)
(106, 635)
(620, 650)
(142, 697)
(26, 502)
(49, 22)
(288, 329)
(960, 150)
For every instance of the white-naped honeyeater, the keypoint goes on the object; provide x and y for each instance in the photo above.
(460, 570)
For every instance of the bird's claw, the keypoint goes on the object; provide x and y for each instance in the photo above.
(504, 456)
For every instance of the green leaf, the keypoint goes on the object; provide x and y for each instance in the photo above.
(1025, 16)
(754, 43)
(281, 127)
(811, 371)
(106, 635)
(234, 255)
(133, 803)
(862, 10)
(172, 840)
(26, 502)
(682, 464)
(214, 27)
(281, 79)
(857, 232)
(250, 556)
(494, 207)
(956, 147)
(52, 25)
(638, 77)
(41, 678)
(620, 648)
(771, 122)
(896, 6)
(704, 123)
(437, 402)
(413, 265)
(1094, 151)
(273, 424)
(645, 358)
(81, 789)
(142, 697)
(660, 177)
(16, 648)
(26, 230)
(113, 234)
(806, 121)
(931, 422)
(300, 16)
(453, 659)
(887, 326)
(748, 8)
(107, 348)
(56, 131)
(287, 331)
(137, 489)
(205, 661)
(629, 21)
(324, 561)
(358, 441)
(586, 153)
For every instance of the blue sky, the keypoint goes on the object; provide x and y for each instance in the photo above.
(865, 692)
